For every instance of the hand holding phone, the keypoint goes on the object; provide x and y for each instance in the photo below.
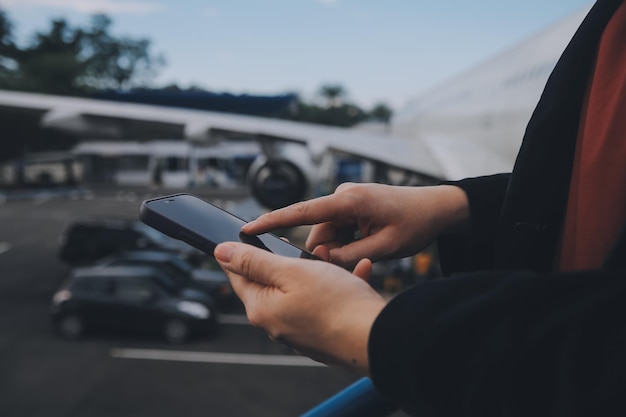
(204, 225)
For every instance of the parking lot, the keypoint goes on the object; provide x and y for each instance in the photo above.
(237, 372)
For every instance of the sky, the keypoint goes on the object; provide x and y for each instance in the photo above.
(385, 51)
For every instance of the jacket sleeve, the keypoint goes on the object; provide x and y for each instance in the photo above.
(474, 249)
(505, 344)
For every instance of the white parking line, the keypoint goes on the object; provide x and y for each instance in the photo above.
(214, 357)
(4, 247)
(234, 319)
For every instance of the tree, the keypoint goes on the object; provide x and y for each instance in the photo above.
(341, 114)
(6, 32)
(51, 63)
(112, 63)
(6, 43)
(75, 61)
(333, 94)
(381, 113)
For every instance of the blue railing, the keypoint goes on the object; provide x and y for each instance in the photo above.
(357, 400)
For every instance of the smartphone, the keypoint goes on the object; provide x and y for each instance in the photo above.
(204, 225)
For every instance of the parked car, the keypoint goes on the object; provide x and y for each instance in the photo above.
(131, 298)
(86, 241)
(214, 282)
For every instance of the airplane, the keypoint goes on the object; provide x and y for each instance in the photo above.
(474, 123)
(471, 125)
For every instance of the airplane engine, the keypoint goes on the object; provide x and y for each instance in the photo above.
(277, 183)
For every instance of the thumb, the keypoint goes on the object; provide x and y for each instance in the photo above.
(249, 262)
(363, 269)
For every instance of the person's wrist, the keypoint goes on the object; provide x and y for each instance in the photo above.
(353, 340)
(453, 216)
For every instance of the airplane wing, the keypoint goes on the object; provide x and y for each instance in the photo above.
(98, 119)
(460, 158)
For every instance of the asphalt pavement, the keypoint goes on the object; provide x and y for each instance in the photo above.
(238, 372)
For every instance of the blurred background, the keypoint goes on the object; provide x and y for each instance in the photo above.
(103, 316)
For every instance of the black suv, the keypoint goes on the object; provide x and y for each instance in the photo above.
(86, 241)
(131, 298)
(213, 281)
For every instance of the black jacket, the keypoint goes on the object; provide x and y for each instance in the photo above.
(503, 335)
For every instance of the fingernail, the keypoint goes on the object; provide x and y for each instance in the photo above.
(250, 223)
(224, 252)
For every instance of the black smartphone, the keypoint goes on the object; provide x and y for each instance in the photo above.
(204, 225)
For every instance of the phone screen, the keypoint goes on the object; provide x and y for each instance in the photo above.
(204, 225)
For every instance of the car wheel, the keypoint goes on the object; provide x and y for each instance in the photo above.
(71, 327)
(176, 331)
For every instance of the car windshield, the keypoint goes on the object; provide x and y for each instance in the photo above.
(181, 265)
(165, 282)
(180, 277)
